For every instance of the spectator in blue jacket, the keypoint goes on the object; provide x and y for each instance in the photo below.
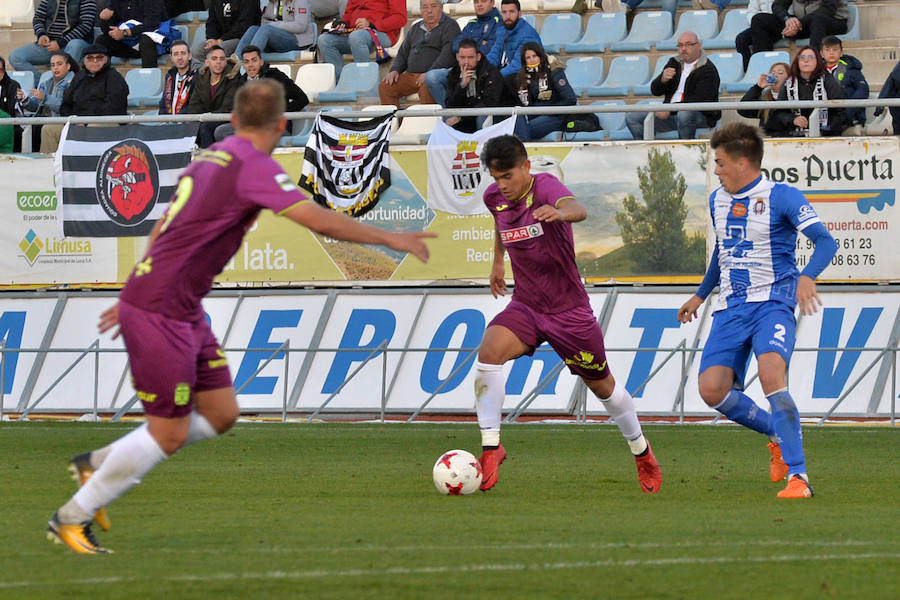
(539, 85)
(847, 71)
(506, 54)
(483, 29)
(44, 101)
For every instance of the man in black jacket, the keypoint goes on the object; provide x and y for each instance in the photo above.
(472, 83)
(120, 38)
(814, 19)
(688, 77)
(179, 81)
(256, 68)
(96, 90)
(228, 21)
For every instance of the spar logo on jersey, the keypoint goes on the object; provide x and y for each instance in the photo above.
(806, 213)
(521, 233)
(465, 169)
(759, 207)
(128, 182)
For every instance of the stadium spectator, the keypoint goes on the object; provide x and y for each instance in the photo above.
(626, 6)
(472, 83)
(539, 85)
(891, 89)
(767, 88)
(214, 89)
(483, 29)
(428, 45)
(286, 25)
(45, 101)
(66, 25)
(9, 91)
(533, 216)
(814, 19)
(96, 90)
(228, 21)
(126, 21)
(743, 42)
(506, 54)
(177, 364)
(179, 7)
(755, 268)
(366, 26)
(809, 80)
(688, 77)
(847, 71)
(179, 81)
(256, 68)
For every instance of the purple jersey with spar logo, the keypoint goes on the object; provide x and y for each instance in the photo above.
(217, 200)
(542, 254)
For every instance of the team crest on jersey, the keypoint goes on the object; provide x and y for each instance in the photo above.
(522, 233)
(739, 210)
(346, 163)
(128, 182)
(465, 169)
(759, 207)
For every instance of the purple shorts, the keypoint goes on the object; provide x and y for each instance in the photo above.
(171, 359)
(575, 335)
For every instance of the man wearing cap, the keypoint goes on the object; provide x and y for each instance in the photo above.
(96, 90)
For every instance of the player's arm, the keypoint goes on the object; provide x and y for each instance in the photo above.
(688, 311)
(498, 270)
(825, 247)
(341, 227)
(567, 209)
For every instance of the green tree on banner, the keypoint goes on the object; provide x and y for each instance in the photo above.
(652, 228)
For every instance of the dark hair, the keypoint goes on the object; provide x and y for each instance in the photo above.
(739, 140)
(832, 40)
(73, 66)
(179, 43)
(523, 77)
(516, 2)
(467, 43)
(820, 64)
(2, 63)
(259, 104)
(251, 48)
(216, 47)
(503, 153)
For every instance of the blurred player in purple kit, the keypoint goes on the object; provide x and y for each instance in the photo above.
(179, 370)
(533, 216)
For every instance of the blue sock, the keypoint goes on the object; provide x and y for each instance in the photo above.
(786, 421)
(741, 409)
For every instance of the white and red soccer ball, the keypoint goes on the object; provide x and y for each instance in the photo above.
(457, 472)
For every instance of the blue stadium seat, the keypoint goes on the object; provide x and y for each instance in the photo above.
(583, 72)
(624, 73)
(46, 75)
(144, 86)
(300, 138)
(357, 79)
(646, 29)
(736, 21)
(559, 30)
(191, 16)
(601, 30)
(760, 62)
(530, 18)
(705, 23)
(644, 88)
(730, 66)
(613, 126)
(25, 79)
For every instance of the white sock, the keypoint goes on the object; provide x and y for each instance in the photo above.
(200, 430)
(130, 458)
(489, 393)
(620, 407)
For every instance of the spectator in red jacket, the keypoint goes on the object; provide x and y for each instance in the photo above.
(364, 22)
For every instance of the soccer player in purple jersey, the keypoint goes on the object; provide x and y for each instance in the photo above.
(179, 370)
(533, 216)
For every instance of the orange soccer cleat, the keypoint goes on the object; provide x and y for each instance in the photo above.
(490, 461)
(778, 470)
(797, 487)
(648, 471)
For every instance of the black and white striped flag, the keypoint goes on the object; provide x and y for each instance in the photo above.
(117, 181)
(346, 164)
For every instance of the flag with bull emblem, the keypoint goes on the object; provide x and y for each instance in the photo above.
(346, 165)
(456, 179)
(117, 181)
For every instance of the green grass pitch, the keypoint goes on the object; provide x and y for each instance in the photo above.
(349, 511)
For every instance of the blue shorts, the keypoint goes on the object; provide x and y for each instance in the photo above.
(574, 334)
(758, 326)
(170, 360)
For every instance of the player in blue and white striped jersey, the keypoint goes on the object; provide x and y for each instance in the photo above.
(756, 223)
